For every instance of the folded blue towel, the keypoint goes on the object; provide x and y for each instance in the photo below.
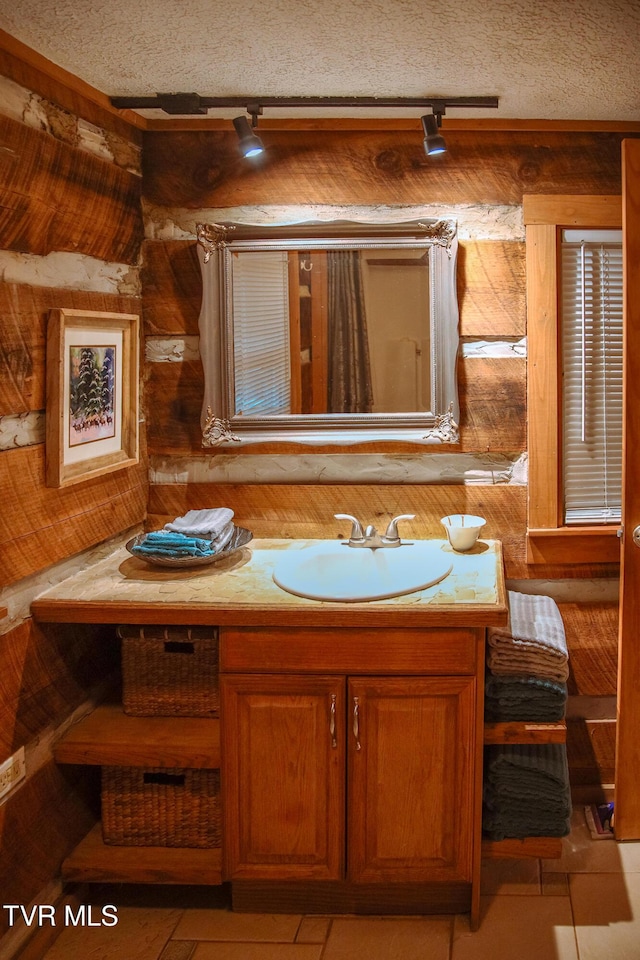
(175, 539)
(164, 544)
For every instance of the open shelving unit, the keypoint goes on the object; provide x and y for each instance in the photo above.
(94, 861)
(111, 738)
(524, 732)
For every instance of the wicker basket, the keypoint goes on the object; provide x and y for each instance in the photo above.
(154, 807)
(170, 671)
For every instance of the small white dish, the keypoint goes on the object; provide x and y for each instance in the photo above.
(462, 530)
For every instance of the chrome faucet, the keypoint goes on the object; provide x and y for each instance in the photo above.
(370, 537)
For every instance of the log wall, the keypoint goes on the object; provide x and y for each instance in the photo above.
(192, 175)
(481, 180)
(71, 230)
(202, 169)
(95, 219)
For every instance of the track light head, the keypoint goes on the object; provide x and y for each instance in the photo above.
(250, 144)
(433, 139)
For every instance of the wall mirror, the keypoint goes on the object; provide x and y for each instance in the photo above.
(333, 332)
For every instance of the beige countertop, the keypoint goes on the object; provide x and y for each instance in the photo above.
(240, 589)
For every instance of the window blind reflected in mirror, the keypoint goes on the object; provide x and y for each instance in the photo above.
(261, 333)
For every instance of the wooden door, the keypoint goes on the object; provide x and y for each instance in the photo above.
(283, 759)
(627, 792)
(411, 761)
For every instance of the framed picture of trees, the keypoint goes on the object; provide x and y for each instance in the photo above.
(92, 394)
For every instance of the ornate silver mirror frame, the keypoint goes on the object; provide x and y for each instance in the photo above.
(222, 426)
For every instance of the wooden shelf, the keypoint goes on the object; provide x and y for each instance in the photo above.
(524, 732)
(110, 737)
(94, 861)
(546, 848)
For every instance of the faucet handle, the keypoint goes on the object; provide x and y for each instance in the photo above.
(392, 529)
(356, 526)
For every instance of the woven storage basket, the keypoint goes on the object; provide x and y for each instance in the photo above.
(170, 671)
(156, 807)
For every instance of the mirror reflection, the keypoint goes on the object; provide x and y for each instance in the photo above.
(329, 332)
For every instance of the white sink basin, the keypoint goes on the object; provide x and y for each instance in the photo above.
(334, 571)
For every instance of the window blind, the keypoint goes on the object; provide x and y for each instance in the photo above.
(591, 341)
(261, 333)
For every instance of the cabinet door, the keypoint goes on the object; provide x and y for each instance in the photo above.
(283, 776)
(411, 779)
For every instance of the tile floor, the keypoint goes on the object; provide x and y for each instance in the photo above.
(584, 906)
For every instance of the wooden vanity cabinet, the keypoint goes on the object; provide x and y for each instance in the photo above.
(399, 751)
(410, 779)
(358, 778)
(283, 781)
(311, 823)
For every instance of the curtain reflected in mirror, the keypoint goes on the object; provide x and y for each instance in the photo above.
(349, 387)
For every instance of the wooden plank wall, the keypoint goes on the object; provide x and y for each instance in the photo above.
(484, 172)
(97, 214)
(201, 169)
(46, 673)
(83, 209)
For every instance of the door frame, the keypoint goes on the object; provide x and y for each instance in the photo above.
(627, 776)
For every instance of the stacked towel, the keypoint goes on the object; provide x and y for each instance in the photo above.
(526, 787)
(162, 543)
(215, 525)
(524, 698)
(526, 791)
(533, 643)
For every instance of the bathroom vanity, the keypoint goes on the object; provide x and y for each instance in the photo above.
(350, 738)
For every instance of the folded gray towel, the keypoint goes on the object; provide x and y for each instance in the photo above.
(523, 698)
(526, 791)
(223, 539)
(533, 642)
(509, 823)
(210, 524)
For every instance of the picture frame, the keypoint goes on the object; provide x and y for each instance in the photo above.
(92, 394)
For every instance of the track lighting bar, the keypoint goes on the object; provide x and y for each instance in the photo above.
(194, 104)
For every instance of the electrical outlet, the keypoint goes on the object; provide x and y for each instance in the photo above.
(12, 771)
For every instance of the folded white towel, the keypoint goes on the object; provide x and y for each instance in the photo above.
(534, 621)
(221, 541)
(210, 524)
(533, 642)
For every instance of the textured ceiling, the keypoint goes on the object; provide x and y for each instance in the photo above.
(552, 59)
